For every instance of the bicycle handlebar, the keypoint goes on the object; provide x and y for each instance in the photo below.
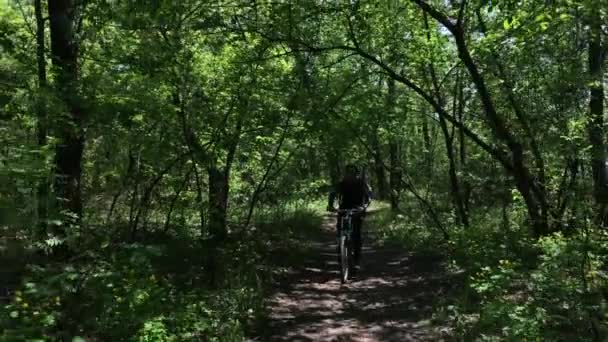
(350, 211)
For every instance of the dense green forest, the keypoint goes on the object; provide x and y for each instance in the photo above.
(160, 160)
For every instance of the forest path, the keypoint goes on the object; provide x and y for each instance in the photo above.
(391, 299)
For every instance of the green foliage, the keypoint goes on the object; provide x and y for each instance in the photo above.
(276, 98)
(159, 291)
(401, 229)
(130, 293)
(558, 297)
(514, 287)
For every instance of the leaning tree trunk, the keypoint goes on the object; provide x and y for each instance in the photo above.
(68, 154)
(458, 198)
(454, 183)
(459, 206)
(513, 158)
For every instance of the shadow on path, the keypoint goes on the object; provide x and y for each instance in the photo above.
(391, 299)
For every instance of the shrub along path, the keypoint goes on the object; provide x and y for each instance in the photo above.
(391, 299)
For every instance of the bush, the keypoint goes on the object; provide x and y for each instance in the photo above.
(559, 298)
(161, 290)
(123, 295)
(515, 287)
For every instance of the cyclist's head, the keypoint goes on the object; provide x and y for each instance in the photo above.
(351, 171)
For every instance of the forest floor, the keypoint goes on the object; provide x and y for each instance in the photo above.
(392, 298)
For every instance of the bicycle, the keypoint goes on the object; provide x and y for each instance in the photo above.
(345, 244)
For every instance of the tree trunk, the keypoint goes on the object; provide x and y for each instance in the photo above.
(379, 171)
(199, 198)
(538, 186)
(333, 164)
(68, 154)
(426, 136)
(596, 113)
(219, 187)
(394, 153)
(466, 186)
(527, 184)
(459, 207)
(461, 213)
(395, 173)
(217, 220)
(41, 130)
(218, 202)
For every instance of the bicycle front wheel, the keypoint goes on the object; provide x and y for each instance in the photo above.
(344, 259)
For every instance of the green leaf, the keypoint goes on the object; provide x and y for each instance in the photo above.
(55, 222)
(138, 118)
(14, 314)
(78, 339)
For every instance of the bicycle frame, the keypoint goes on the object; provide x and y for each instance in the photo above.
(344, 240)
(346, 220)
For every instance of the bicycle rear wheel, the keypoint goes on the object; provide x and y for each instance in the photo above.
(344, 259)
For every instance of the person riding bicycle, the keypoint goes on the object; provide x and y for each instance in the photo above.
(352, 192)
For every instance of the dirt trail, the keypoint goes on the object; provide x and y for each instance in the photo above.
(391, 299)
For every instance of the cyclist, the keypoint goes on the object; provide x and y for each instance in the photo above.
(352, 192)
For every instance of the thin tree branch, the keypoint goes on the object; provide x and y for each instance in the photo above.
(261, 184)
(441, 17)
(463, 5)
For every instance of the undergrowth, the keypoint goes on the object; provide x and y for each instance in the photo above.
(162, 289)
(512, 286)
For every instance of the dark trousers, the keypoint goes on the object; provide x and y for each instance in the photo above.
(357, 222)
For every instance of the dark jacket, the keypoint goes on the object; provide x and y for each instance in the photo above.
(351, 193)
